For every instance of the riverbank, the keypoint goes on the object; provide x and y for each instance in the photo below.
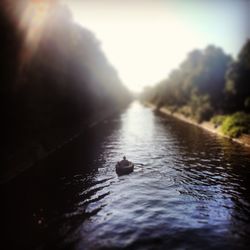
(243, 139)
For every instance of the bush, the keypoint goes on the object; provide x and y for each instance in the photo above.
(218, 120)
(203, 113)
(236, 124)
(185, 110)
(201, 107)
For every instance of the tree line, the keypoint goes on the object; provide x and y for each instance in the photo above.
(67, 82)
(208, 83)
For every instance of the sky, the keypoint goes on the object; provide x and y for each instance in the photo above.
(146, 39)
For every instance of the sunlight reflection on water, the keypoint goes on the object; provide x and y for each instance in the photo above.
(184, 189)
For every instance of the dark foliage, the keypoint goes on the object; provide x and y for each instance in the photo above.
(207, 83)
(66, 83)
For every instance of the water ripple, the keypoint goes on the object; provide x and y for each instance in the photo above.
(189, 190)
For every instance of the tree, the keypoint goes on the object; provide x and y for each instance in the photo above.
(199, 83)
(237, 81)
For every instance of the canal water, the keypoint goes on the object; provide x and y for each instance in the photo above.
(190, 190)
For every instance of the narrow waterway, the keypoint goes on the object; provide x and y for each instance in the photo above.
(190, 190)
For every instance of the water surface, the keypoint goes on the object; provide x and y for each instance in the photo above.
(190, 190)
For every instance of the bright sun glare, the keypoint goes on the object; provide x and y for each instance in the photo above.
(145, 40)
(32, 23)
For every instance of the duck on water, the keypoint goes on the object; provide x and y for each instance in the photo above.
(124, 166)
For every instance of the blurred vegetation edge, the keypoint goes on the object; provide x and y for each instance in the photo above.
(211, 125)
(209, 89)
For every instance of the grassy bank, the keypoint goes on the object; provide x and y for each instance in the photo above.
(234, 127)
